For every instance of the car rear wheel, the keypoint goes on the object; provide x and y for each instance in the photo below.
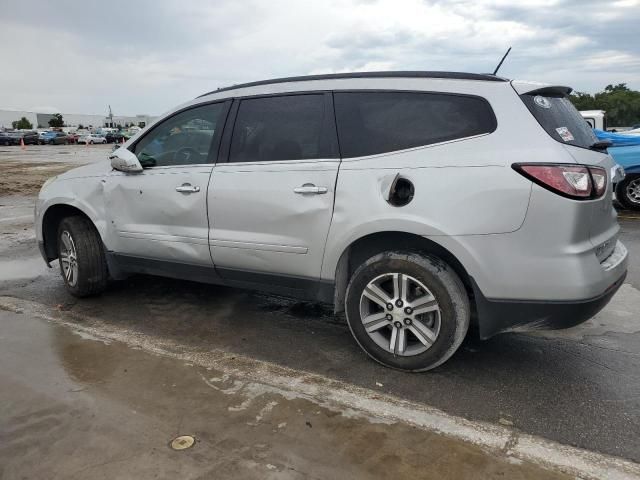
(628, 192)
(81, 257)
(407, 310)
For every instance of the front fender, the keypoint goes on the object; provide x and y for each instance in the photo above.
(84, 194)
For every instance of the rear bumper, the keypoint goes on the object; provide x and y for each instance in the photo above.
(499, 316)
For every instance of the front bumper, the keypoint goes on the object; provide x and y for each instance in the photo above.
(499, 316)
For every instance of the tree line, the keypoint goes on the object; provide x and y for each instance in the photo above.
(621, 104)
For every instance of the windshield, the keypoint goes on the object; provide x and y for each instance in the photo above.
(560, 119)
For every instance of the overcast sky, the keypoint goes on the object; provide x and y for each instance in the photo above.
(148, 56)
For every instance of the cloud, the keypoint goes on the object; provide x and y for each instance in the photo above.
(148, 56)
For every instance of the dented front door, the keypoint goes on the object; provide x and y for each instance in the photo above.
(160, 213)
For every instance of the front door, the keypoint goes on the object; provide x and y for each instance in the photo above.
(271, 203)
(161, 213)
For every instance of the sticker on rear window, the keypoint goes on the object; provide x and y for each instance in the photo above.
(542, 101)
(565, 134)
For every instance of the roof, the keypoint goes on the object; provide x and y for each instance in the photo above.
(399, 74)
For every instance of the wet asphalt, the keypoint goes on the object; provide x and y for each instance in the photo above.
(579, 387)
(73, 406)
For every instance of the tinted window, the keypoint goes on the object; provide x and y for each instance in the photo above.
(279, 128)
(560, 119)
(182, 139)
(376, 122)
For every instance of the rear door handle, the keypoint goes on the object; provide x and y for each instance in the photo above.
(310, 188)
(187, 188)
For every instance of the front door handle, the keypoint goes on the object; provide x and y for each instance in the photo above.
(310, 188)
(187, 188)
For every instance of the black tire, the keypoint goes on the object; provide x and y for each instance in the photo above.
(622, 194)
(92, 273)
(443, 283)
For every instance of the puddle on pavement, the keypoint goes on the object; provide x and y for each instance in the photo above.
(83, 404)
(21, 269)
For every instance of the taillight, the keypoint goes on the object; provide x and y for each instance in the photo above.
(599, 178)
(573, 181)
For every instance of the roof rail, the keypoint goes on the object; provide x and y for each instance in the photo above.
(399, 74)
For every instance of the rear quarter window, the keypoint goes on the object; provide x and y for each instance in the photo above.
(371, 123)
(560, 119)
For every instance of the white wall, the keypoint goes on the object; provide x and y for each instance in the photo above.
(72, 119)
(8, 116)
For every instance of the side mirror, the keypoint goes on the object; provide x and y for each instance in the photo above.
(125, 161)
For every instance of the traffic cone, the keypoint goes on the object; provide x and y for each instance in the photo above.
(22, 146)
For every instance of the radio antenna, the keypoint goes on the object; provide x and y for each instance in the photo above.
(500, 64)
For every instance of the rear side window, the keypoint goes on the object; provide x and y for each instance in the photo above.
(370, 123)
(289, 127)
(560, 119)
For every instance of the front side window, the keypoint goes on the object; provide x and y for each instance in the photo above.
(371, 123)
(183, 139)
(279, 128)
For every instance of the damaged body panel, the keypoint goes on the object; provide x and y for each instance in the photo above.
(148, 217)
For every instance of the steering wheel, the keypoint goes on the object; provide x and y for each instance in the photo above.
(186, 156)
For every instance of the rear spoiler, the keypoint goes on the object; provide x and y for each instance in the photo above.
(533, 88)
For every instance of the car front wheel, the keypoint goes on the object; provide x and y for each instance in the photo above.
(407, 310)
(628, 192)
(81, 257)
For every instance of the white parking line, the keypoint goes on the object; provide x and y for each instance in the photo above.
(352, 400)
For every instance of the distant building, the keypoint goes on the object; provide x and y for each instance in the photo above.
(41, 120)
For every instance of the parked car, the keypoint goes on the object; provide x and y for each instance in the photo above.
(114, 137)
(405, 199)
(53, 138)
(17, 136)
(5, 138)
(625, 150)
(92, 138)
(72, 137)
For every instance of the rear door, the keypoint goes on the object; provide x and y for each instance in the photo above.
(271, 202)
(161, 213)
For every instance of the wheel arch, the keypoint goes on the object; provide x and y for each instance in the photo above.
(50, 221)
(371, 244)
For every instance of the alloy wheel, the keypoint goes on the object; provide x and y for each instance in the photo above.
(400, 314)
(69, 258)
(633, 191)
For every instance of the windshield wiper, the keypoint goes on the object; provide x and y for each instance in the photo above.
(601, 145)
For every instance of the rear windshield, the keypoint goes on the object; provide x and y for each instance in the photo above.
(560, 119)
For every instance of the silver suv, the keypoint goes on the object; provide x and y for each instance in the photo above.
(416, 202)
